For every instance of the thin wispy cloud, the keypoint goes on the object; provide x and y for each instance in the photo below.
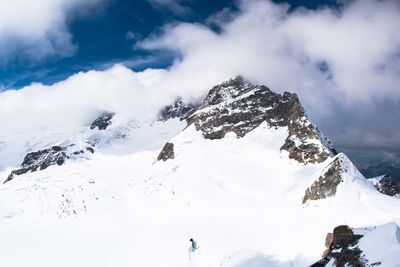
(175, 6)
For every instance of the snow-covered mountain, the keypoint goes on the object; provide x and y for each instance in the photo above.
(243, 172)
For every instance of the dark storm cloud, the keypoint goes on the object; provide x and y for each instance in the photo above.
(369, 133)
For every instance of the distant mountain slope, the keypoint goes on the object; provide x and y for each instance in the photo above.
(383, 168)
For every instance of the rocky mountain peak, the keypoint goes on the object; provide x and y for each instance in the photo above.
(228, 90)
(239, 106)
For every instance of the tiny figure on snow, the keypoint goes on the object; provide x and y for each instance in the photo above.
(193, 248)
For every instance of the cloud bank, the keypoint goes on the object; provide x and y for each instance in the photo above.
(344, 64)
(33, 30)
(81, 98)
(304, 49)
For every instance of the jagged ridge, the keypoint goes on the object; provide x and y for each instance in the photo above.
(327, 183)
(42, 159)
(239, 106)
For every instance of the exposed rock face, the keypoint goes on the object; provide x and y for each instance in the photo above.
(177, 110)
(239, 106)
(343, 247)
(389, 186)
(41, 159)
(103, 121)
(344, 250)
(167, 152)
(326, 185)
(328, 242)
(235, 106)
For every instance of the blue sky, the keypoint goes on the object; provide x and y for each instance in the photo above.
(107, 32)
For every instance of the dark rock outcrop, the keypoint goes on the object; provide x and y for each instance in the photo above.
(239, 106)
(344, 250)
(42, 159)
(235, 106)
(321, 263)
(326, 185)
(389, 186)
(301, 131)
(103, 121)
(167, 152)
(177, 110)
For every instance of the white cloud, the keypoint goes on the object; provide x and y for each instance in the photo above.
(268, 45)
(79, 99)
(36, 29)
(358, 46)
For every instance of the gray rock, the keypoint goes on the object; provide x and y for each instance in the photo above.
(42, 159)
(103, 121)
(177, 110)
(344, 250)
(389, 186)
(167, 152)
(326, 185)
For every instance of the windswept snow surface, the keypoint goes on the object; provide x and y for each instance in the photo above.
(240, 199)
(386, 236)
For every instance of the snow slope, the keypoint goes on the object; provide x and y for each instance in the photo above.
(242, 203)
(239, 198)
(386, 236)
